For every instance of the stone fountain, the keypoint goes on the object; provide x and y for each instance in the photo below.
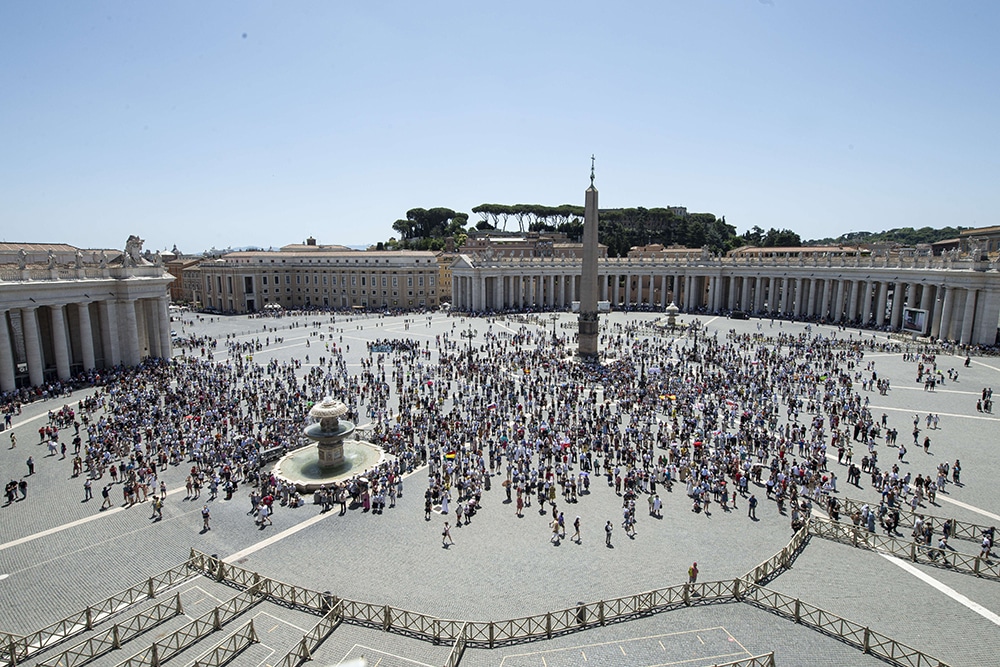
(329, 458)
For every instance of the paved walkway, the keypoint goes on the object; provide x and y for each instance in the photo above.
(59, 554)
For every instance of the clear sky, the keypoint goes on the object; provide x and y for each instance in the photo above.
(261, 123)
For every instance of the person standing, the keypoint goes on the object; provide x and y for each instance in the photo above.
(752, 512)
(693, 573)
(446, 539)
(576, 527)
(608, 529)
(205, 516)
(31, 466)
(13, 441)
(88, 493)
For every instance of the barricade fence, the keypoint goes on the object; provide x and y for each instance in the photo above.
(20, 648)
(854, 634)
(458, 649)
(766, 660)
(187, 635)
(312, 639)
(960, 530)
(116, 635)
(916, 552)
(463, 634)
(779, 561)
(229, 648)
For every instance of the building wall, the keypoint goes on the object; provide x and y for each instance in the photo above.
(73, 314)
(248, 281)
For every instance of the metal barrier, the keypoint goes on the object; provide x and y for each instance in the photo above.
(116, 635)
(918, 553)
(849, 632)
(20, 648)
(313, 638)
(960, 530)
(194, 631)
(766, 660)
(229, 648)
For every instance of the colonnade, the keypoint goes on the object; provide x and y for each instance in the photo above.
(39, 343)
(961, 305)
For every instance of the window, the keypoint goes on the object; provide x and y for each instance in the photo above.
(384, 281)
(354, 281)
(363, 280)
(409, 281)
(395, 281)
(263, 280)
(420, 281)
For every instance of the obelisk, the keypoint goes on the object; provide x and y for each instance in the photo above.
(587, 338)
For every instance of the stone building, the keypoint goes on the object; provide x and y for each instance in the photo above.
(65, 310)
(310, 275)
(959, 294)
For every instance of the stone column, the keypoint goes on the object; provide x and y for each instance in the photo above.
(758, 295)
(811, 309)
(60, 345)
(896, 317)
(745, 295)
(786, 295)
(32, 346)
(911, 295)
(925, 297)
(86, 336)
(798, 297)
(130, 346)
(166, 349)
(7, 374)
(949, 305)
(942, 292)
(852, 303)
(989, 314)
(883, 297)
(866, 301)
(969, 316)
(108, 313)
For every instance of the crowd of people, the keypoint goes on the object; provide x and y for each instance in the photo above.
(723, 417)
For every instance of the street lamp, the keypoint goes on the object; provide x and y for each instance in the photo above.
(554, 317)
(470, 334)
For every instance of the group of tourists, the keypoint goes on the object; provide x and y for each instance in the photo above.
(721, 417)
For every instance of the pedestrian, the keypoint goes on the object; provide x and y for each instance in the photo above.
(752, 513)
(264, 516)
(31, 466)
(608, 528)
(106, 495)
(576, 528)
(88, 493)
(446, 539)
(693, 573)
(205, 516)
(13, 441)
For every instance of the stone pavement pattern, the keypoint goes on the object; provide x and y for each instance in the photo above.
(502, 566)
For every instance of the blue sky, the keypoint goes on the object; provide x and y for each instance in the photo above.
(261, 123)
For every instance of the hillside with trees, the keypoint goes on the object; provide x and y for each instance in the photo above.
(907, 236)
(623, 228)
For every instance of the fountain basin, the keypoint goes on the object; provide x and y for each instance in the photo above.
(302, 467)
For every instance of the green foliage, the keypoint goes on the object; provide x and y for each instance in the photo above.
(907, 236)
(427, 229)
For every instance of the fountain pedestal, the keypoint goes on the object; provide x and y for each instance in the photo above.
(326, 461)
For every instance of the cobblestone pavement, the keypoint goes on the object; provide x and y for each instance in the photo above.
(58, 554)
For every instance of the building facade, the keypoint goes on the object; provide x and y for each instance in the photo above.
(959, 294)
(318, 276)
(64, 310)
